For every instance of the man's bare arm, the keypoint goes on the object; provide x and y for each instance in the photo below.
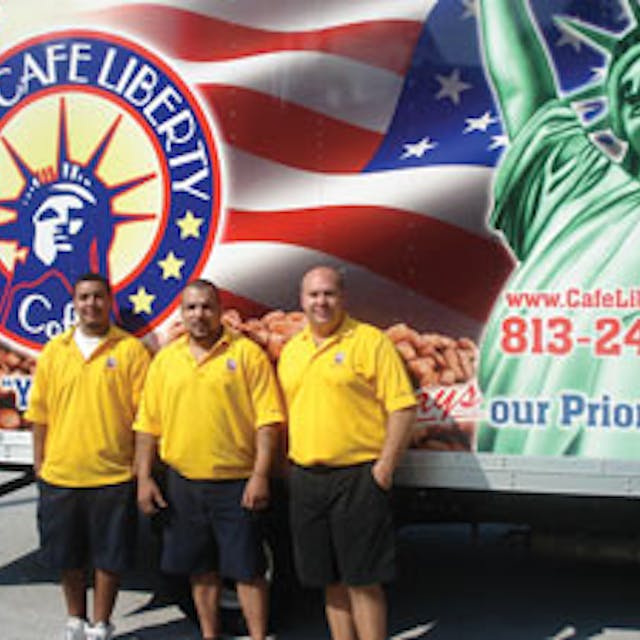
(39, 439)
(256, 493)
(150, 498)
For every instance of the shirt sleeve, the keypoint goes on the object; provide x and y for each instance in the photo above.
(140, 359)
(148, 417)
(37, 409)
(264, 390)
(392, 383)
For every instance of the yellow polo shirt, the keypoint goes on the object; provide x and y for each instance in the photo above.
(88, 408)
(206, 413)
(339, 394)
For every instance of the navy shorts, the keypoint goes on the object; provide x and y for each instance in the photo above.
(342, 526)
(206, 528)
(87, 526)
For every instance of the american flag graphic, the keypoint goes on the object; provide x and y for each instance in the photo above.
(358, 133)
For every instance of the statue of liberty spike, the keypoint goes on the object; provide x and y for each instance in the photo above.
(571, 215)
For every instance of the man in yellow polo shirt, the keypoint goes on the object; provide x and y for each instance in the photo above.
(350, 409)
(211, 407)
(82, 406)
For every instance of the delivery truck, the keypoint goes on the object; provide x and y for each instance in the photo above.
(469, 166)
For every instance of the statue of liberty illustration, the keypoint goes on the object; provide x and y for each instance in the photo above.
(63, 226)
(571, 214)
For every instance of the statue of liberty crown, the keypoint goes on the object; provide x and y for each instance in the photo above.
(69, 172)
(617, 48)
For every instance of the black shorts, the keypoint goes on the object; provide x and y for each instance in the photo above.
(342, 526)
(87, 526)
(206, 528)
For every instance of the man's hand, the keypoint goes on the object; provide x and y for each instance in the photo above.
(256, 492)
(150, 498)
(382, 474)
(399, 427)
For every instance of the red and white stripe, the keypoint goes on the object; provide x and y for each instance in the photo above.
(302, 93)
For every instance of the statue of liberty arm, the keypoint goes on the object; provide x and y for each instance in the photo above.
(517, 62)
(570, 213)
(523, 76)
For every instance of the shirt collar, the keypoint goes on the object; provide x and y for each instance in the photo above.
(225, 339)
(113, 333)
(345, 329)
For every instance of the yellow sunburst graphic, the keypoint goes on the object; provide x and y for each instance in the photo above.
(107, 142)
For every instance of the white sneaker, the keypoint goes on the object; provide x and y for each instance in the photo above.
(99, 631)
(75, 629)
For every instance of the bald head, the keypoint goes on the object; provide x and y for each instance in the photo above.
(322, 300)
(326, 273)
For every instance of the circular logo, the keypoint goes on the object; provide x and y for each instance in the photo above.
(107, 164)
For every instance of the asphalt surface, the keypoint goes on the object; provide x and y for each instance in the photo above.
(495, 583)
(31, 604)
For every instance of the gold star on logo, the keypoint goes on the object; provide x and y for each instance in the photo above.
(189, 226)
(171, 266)
(142, 301)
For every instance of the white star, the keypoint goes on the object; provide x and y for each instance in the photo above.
(480, 124)
(418, 149)
(568, 37)
(451, 87)
(599, 73)
(470, 9)
(498, 142)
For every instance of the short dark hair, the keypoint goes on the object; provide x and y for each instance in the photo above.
(93, 277)
(202, 283)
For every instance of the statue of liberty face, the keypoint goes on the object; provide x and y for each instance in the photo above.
(60, 221)
(629, 104)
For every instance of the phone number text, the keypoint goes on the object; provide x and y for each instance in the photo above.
(557, 336)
